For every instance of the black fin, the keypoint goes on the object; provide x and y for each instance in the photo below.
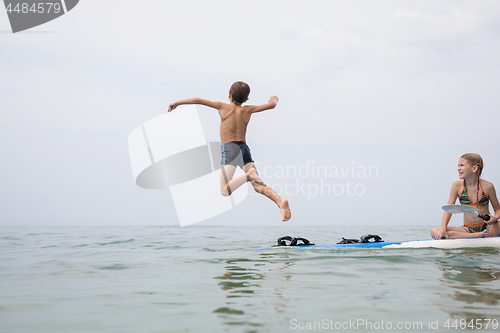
(297, 239)
(294, 241)
(348, 241)
(282, 240)
(366, 239)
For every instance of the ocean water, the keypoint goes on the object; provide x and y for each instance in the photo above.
(211, 279)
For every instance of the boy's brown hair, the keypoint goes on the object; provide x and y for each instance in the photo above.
(239, 92)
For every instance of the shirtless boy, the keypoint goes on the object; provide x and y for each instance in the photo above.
(233, 126)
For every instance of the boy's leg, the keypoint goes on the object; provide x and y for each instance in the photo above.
(226, 175)
(228, 185)
(250, 169)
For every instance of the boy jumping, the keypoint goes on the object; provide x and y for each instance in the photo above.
(233, 127)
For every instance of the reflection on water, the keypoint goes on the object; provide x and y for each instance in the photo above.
(243, 281)
(470, 277)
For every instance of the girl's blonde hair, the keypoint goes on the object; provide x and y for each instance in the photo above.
(474, 159)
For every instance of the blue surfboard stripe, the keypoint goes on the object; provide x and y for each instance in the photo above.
(427, 243)
(355, 245)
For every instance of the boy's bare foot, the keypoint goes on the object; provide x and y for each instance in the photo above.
(252, 176)
(286, 214)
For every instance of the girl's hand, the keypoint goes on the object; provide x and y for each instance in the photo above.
(492, 220)
(441, 234)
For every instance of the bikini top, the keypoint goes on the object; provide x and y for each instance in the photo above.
(464, 199)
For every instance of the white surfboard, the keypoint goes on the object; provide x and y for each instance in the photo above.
(461, 243)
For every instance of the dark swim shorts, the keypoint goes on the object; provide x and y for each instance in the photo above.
(235, 153)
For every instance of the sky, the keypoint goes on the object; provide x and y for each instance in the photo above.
(401, 88)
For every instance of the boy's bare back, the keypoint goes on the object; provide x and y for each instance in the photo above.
(234, 121)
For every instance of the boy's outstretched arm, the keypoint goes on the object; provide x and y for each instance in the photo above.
(215, 105)
(273, 101)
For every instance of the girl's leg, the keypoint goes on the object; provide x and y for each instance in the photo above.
(455, 231)
(458, 232)
(494, 229)
(434, 233)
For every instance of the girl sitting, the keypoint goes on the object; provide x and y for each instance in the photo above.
(473, 191)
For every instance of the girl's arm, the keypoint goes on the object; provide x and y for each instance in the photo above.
(215, 105)
(492, 195)
(447, 216)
